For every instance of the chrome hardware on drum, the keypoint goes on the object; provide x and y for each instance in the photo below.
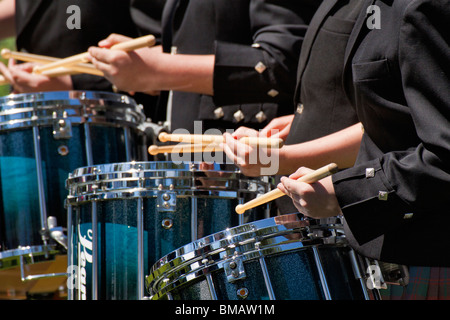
(282, 258)
(43, 137)
(124, 216)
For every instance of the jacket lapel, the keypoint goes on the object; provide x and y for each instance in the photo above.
(167, 24)
(356, 32)
(313, 28)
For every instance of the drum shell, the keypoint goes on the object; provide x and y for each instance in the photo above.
(27, 119)
(269, 263)
(294, 276)
(123, 192)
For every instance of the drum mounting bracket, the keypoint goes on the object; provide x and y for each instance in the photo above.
(166, 200)
(234, 269)
(62, 127)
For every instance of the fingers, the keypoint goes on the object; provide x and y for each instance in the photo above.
(282, 187)
(229, 147)
(288, 186)
(295, 191)
(300, 173)
(237, 151)
(278, 127)
(106, 60)
(112, 39)
(102, 55)
(26, 66)
(5, 72)
(244, 132)
(269, 132)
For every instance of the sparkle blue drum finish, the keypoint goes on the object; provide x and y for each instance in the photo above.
(280, 258)
(72, 129)
(177, 203)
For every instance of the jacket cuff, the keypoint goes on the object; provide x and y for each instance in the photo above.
(369, 204)
(242, 75)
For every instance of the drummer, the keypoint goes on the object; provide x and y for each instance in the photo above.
(400, 179)
(45, 28)
(217, 57)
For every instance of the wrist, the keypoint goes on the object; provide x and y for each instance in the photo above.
(189, 73)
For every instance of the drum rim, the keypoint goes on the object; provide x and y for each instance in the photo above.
(137, 166)
(12, 257)
(151, 178)
(84, 95)
(77, 106)
(167, 269)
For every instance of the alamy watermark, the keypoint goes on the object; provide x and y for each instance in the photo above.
(373, 14)
(259, 155)
(74, 20)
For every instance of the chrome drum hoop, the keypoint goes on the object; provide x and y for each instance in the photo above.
(149, 178)
(47, 108)
(245, 242)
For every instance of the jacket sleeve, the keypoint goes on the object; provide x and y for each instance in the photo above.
(414, 183)
(264, 71)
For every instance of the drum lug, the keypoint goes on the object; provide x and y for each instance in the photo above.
(234, 269)
(62, 127)
(57, 233)
(166, 200)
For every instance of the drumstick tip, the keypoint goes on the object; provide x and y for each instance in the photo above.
(153, 150)
(37, 70)
(6, 53)
(239, 209)
(162, 137)
(333, 168)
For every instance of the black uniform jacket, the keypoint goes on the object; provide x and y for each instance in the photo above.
(146, 14)
(256, 45)
(396, 198)
(41, 28)
(321, 104)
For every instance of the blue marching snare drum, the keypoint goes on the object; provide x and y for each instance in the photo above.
(283, 258)
(124, 216)
(43, 137)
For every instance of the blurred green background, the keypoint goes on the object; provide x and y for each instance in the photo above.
(9, 43)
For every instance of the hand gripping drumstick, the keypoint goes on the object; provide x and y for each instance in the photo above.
(276, 193)
(211, 138)
(29, 57)
(146, 41)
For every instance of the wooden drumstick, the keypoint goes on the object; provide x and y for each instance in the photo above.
(275, 143)
(79, 68)
(154, 150)
(24, 56)
(205, 138)
(55, 73)
(146, 41)
(276, 193)
(190, 138)
(29, 57)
